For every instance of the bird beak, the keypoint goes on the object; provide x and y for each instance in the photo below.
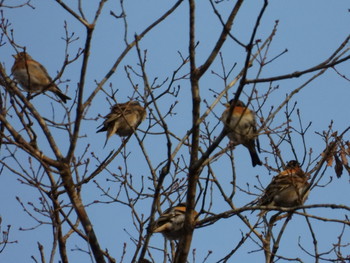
(14, 56)
(227, 105)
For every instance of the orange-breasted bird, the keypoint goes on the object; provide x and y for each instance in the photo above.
(241, 128)
(171, 222)
(123, 119)
(287, 189)
(33, 77)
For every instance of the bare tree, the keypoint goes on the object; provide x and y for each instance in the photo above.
(178, 153)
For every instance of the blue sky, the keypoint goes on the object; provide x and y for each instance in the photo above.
(310, 30)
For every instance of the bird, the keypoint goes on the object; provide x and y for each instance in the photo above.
(123, 119)
(33, 77)
(242, 128)
(171, 222)
(289, 188)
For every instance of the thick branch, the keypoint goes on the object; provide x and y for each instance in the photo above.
(11, 87)
(81, 106)
(185, 241)
(82, 214)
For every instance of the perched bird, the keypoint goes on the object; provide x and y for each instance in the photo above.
(242, 129)
(123, 119)
(171, 222)
(33, 77)
(287, 189)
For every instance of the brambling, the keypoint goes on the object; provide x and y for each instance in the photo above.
(171, 222)
(33, 77)
(123, 119)
(242, 128)
(287, 189)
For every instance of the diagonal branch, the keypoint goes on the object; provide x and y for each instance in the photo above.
(12, 89)
(225, 31)
(328, 63)
(127, 49)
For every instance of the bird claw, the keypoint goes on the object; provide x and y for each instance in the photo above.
(231, 145)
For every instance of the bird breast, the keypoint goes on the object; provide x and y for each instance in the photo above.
(36, 81)
(291, 196)
(127, 124)
(240, 128)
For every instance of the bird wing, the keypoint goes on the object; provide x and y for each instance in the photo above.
(43, 70)
(163, 227)
(38, 73)
(271, 190)
(285, 179)
(129, 111)
(166, 219)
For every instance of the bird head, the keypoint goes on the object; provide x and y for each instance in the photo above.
(292, 164)
(22, 56)
(238, 104)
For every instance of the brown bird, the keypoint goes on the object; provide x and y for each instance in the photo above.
(123, 119)
(242, 129)
(287, 189)
(171, 222)
(33, 77)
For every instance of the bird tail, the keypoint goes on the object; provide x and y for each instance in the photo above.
(62, 96)
(254, 156)
(105, 142)
(103, 129)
